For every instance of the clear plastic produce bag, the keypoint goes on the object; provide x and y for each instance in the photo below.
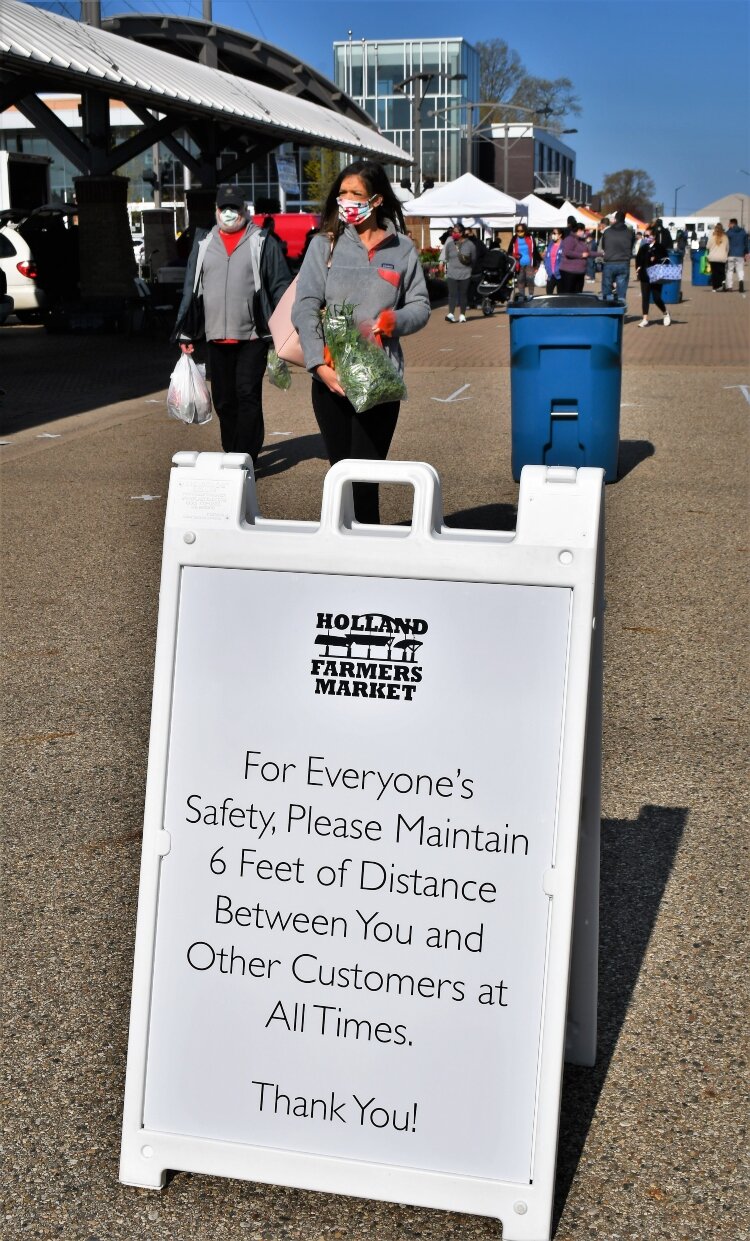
(278, 371)
(365, 371)
(188, 398)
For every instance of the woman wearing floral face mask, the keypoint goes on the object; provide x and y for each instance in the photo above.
(361, 257)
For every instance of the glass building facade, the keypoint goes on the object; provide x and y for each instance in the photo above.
(369, 71)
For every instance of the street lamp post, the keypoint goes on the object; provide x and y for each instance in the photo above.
(745, 173)
(417, 99)
(677, 189)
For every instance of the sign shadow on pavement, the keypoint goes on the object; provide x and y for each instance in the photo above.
(637, 856)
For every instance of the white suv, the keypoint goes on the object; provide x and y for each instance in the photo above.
(17, 262)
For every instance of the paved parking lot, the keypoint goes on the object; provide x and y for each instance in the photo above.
(651, 1140)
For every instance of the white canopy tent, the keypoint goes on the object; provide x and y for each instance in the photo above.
(469, 200)
(542, 214)
(589, 218)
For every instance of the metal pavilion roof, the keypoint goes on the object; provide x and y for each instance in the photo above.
(36, 42)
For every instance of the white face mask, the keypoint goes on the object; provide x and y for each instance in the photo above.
(230, 218)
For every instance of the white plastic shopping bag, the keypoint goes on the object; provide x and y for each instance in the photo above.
(188, 398)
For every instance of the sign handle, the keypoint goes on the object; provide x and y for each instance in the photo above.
(337, 509)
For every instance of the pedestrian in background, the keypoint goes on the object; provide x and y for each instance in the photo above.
(458, 261)
(480, 250)
(591, 260)
(523, 250)
(651, 253)
(552, 256)
(737, 238)
(661, 233)
(242, 275)
(364, 257)
(718, 253)
(269, 225)
(573, 260)
(617, 248)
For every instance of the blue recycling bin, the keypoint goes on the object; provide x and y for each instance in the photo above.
(671, 290)
(565, 382)
(699, 277)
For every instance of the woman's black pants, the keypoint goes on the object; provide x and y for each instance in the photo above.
(236, 373)
(718, 275)
(365, 437)
(647, 288)
(571, 282)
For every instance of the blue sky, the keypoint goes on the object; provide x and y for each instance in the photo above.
(663, 85)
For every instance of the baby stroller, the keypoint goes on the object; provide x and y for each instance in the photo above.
(497, 280)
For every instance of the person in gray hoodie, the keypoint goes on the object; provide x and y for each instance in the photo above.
(363, 257)
(617, 244)
(459, 258)
(241, 272)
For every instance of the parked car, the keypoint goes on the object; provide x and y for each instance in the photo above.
(6, 303)
(20, 269)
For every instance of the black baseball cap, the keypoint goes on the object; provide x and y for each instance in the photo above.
(230, 196)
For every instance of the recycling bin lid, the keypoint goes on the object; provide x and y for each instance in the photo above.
(582, 303)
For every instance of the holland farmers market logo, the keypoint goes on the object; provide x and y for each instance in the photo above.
(367, 656)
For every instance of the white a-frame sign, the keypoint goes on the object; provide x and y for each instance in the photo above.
(367, 926)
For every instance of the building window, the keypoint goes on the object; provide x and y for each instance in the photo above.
(390, 68)
(431, 155)
(400, 112)
(388, 62)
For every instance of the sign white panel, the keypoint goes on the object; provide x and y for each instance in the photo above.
(352, 925)
(372, 804)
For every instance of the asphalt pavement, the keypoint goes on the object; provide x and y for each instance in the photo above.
(651, 1139)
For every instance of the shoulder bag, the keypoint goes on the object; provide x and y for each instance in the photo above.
(662, 272)
(286, 339)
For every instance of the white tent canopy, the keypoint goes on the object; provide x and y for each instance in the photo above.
(467, 197)
(589, 218)
(542, 214)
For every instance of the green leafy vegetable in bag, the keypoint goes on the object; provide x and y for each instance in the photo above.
(278, 372)
(365, 371)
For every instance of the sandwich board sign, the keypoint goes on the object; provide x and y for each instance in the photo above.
(367, 921)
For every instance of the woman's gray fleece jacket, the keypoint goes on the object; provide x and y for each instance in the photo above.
(391, 280)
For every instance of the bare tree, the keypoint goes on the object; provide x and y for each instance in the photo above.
(503, 76)
(549, 99)
(631, 190)
(501, 70)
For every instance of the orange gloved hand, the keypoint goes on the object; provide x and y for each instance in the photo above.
(385, 324)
